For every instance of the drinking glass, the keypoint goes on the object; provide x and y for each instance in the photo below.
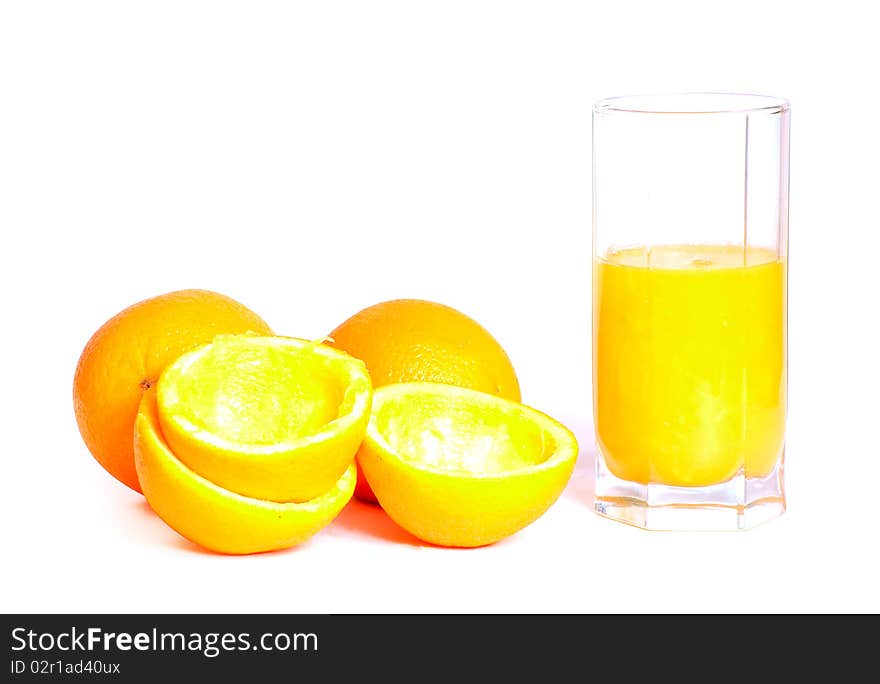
(690, 242)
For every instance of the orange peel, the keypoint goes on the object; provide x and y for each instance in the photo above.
(268, 417)
(458, 467)
(214, 517)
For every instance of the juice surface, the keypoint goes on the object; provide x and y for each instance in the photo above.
(689, 362)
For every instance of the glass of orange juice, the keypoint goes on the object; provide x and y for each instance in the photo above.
(690, 238)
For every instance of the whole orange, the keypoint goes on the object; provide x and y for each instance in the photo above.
(126, 355)
(412, 340)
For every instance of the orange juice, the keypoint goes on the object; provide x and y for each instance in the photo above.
(690, 361)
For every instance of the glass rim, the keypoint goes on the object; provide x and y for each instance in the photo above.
(693, 103)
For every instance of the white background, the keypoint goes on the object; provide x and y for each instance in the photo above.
(311, 159)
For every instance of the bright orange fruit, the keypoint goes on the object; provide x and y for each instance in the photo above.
(126, 355)
(412, 340)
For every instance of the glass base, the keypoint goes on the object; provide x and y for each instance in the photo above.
(738, 504)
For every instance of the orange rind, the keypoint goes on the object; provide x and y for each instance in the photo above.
(217, 518)
(458, 467)
(273, 418)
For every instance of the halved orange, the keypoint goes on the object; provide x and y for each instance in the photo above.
(459, 467)
(214, 517)
(272, 418)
